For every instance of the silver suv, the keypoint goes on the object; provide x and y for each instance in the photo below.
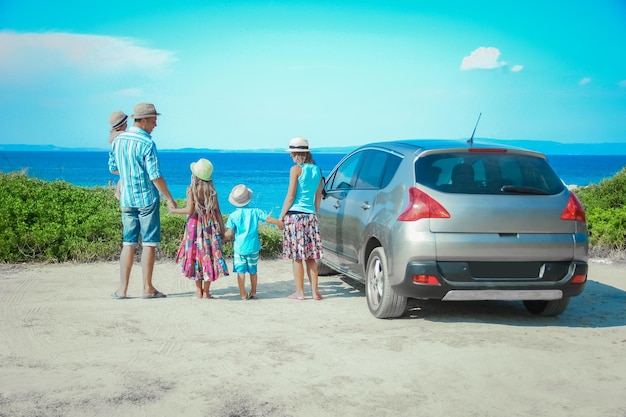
(453, 221)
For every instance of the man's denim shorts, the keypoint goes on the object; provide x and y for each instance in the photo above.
(144, 220)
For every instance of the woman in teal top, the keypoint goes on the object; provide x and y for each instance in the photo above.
(301, 234)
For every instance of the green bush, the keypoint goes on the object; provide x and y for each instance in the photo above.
(608, 194)
(605, 204)
(172, 229)
(607, 228)
(271, 241)
(57, 222)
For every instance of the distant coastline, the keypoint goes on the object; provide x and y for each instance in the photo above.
(53, 148)
(546, 147)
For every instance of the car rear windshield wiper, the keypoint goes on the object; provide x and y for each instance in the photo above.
(522, 190)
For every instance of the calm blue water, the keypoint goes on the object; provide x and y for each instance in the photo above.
(267, 174)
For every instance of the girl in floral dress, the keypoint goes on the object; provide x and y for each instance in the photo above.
(200, 254)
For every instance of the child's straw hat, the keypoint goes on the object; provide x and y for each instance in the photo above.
(240, 195)
(202, 169)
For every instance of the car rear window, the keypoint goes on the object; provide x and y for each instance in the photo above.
(487, 173)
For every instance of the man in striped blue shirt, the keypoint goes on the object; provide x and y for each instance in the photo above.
(134, 157)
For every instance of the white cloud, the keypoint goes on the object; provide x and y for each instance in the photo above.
(25, 55)
(517, 68)
(482, 58)
(584, 81)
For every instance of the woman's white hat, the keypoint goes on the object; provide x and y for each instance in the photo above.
(240, 195)
(298, 145)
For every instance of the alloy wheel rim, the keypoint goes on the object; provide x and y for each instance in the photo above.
(376, 278)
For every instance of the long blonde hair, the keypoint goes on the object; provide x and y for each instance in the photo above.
(303, 158)
(204, 195)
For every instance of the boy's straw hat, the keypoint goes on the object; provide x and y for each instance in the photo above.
(202, 169)
(240, 195)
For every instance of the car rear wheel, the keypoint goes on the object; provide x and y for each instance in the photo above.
(547, 308)
(382, 301)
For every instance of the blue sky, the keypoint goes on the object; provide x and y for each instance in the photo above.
(252, 74)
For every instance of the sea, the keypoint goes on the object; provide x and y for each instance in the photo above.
(267, 174)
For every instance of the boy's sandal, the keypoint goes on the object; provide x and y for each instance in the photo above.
(117, 296)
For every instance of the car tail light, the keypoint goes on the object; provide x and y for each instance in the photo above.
(574, 209)
(579, 279)
(422, 206)
(426, 279)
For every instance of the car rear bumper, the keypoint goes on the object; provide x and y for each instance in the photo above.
(457, 281)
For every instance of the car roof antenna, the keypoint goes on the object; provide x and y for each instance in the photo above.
(471, 139)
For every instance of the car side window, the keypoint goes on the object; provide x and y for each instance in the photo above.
(393, 162)
(372, 170)
(343, 178)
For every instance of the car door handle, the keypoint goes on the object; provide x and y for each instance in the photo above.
(365, 206)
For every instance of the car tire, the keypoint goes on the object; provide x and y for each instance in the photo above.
(324, 270)
(382, 300)
(547, 308)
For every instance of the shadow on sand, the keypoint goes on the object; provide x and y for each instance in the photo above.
(599, 305)
(329, 287)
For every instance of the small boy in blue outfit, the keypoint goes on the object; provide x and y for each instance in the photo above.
(243, 224)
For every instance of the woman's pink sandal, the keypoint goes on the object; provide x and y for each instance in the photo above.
(295, 296)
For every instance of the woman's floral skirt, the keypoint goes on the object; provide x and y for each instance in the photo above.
(301, 237)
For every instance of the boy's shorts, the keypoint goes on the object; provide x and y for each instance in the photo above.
(145, 221)
(245, 263)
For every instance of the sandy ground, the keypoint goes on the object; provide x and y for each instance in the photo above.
(68, 349)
